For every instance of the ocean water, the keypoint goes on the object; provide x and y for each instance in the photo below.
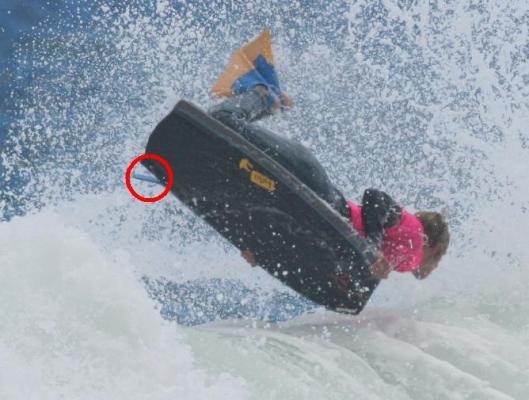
(426, 100)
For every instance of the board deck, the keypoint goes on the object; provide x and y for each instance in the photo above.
(258, 205)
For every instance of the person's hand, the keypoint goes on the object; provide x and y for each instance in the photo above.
(381, 268)
(428, 264)
(249, 257)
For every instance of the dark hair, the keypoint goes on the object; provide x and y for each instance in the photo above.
(436, 232)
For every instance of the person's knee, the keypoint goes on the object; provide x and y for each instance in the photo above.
(228, 117)
(219, 114)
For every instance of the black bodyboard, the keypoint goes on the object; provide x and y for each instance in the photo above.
(258, 205)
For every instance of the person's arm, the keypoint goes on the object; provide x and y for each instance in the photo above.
(381, 268)
(249, 256)
(379, 212)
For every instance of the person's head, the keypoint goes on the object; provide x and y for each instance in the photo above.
(436, 242)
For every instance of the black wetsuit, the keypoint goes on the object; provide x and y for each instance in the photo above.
(379, 211)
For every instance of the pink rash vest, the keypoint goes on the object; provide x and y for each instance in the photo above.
(402, 243)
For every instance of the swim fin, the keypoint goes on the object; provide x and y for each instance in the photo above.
(250, 66)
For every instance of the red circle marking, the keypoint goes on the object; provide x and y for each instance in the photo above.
(169, 181)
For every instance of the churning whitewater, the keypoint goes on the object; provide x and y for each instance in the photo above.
(384, 90)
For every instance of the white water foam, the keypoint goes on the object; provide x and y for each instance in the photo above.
(77, 324)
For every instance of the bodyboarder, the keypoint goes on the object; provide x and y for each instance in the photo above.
(407, 242)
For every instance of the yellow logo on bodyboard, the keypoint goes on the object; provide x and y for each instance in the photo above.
(262, 181)
(245, 164)
(256, 177)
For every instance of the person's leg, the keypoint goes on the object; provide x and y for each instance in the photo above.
(239, 111)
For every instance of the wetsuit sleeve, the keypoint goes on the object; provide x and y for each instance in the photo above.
(379, 212)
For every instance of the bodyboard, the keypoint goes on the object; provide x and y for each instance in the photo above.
(258, 205)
